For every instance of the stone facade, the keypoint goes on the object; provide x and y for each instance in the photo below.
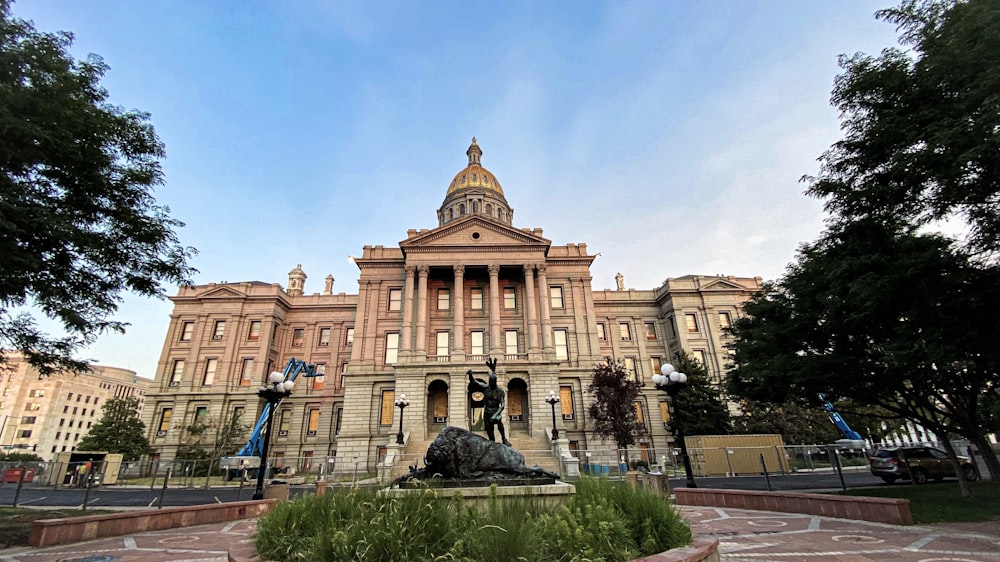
(425, 312)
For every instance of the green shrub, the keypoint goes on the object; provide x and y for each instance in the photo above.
(603, 522)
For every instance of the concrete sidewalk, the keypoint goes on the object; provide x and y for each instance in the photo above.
(745, 536)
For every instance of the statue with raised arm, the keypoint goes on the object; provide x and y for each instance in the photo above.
(493, 401)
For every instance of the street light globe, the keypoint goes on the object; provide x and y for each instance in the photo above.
(666, 369)
(275, 377)
(287, 386)
(659, 380)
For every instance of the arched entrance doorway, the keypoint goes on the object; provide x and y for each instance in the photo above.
(517, 405)
(437, 406)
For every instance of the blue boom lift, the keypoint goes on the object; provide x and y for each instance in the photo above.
(249, 456)
(852, 439)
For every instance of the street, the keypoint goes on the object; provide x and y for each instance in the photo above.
(144, 497)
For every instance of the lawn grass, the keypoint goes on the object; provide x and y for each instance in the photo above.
(942, 503)
(15, 522)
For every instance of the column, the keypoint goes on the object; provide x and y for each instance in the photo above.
(406, 335)
(421, 346)
(495, 348)
(529, 291)
(543, 289)
(588, 298)
(458, 332)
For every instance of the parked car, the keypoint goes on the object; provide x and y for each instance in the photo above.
(891, 464)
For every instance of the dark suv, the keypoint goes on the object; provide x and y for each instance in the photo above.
(923, 462)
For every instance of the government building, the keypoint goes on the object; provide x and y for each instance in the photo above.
(425, 311)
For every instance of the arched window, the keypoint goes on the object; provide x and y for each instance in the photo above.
(451, 214)
(475, 207)
(437, 399)
(461, 209)
(489, 209)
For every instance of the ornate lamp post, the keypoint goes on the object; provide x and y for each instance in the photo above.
(671, 381)
(402, 402)
(278, 390)
(552, 399)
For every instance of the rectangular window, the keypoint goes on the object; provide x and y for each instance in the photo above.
(562, 344)
(349, 338)
(388, 399)
(187, 331)
(210, 366)
(625, 331)
(478, 343)
(238, 413)
(297, 337)
(391, 348)
(556, 297)
(324, 337)
(665, 413)
(650, 331)
(442, 344)
(37, 393)
(284, 422)
(692, 322)
(509, 298)
(165, 416)
(725, 321)
(699, 355)
(319, 381)
(336, 425)
(312, 426)
(25, 433)
(199, 413)
(510, 342)
(566, 402)
(395, 299)
(254, 333)
(307, 461)
(639, 417)
(631, 366)
(602, 331)
(220, 330)
(246, 372)
(339, 383)
(444, 299)
(656, 363)
(476, 299)
(177, 373)
(28, 420)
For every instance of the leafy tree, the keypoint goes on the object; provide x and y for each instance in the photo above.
(880, 316)
(118, 431)
(699, 407)
(78, 222)
(922, 126)
(232, 436)
(613, 411)
(797, 424)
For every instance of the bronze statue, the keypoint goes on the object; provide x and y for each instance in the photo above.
(493, 401)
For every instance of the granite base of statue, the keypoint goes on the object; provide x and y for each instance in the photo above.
(460, 458)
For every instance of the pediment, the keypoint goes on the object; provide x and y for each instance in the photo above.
(722, 285)
(474, 232)
(222, 293)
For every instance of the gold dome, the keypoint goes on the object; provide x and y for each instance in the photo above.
(475, 176)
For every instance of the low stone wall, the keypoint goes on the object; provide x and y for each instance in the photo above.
(49, 532)
(880, 510)
(701, 550)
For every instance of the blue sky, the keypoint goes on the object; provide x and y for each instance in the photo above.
(298, 131)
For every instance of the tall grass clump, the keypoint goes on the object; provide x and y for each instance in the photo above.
(603, 522)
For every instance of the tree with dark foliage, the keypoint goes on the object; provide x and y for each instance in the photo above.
(922, 126)
(118, 431)
(615, 393)
(699, 406)
(78, 222)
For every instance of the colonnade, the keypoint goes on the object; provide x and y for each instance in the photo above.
(536, 309)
